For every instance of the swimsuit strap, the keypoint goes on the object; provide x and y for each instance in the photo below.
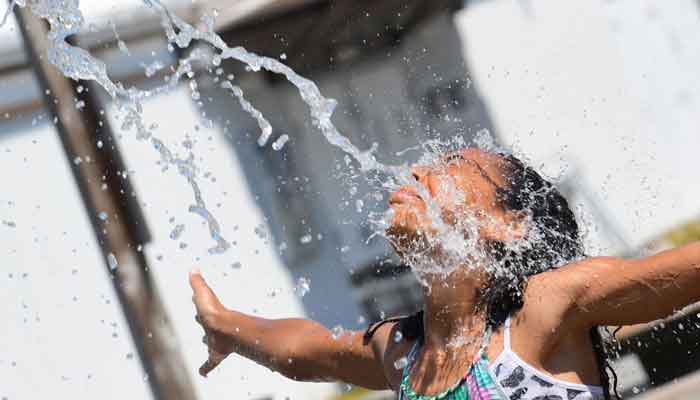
(506, 334)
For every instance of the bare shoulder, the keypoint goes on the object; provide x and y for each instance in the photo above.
(552, 297)
(572, 275)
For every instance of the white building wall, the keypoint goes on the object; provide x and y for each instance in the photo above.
(606, 89)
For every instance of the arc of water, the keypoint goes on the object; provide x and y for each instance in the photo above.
(66, 19)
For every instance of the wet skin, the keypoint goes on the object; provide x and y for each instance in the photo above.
(551, 331)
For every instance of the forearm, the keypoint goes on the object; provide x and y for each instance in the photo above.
(303, 350)
(276, 344)
(297, 348)
(673, 281)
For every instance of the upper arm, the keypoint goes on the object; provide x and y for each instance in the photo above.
(389, 351)
(615, 291)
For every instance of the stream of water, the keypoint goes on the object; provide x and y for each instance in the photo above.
(65, 19)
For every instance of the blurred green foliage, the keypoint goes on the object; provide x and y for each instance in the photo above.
(687, 233)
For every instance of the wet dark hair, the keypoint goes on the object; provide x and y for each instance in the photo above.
(557, 242)
(558, 239)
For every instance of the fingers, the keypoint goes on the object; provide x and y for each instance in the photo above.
(197, 281)
(212, 362)
(206, 368)
(203, 297)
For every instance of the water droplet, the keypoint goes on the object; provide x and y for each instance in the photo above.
(337, 331)
(123, 48)
(112, 261)
(306, 239)
(177, 231)
(359, 204)
(261, 231)
(103, 216)
(401, 363)
(278, 144)
(302, 287)
(398, 336)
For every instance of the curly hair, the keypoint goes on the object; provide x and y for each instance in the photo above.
(554, 240)
(557, 241)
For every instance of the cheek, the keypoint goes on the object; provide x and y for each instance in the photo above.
(448, 194)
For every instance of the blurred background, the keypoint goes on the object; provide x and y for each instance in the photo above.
(603, 96)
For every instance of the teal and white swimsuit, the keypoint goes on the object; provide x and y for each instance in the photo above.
(507, 378)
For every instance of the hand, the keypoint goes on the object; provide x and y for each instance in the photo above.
(210, 314)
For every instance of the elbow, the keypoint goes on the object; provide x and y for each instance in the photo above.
(295, 365)
(300, 373)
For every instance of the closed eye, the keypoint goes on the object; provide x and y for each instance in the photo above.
(453, 157)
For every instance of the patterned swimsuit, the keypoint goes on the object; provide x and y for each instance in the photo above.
(507, 378)
(477, 384)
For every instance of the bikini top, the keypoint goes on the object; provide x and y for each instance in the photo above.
(508, 377)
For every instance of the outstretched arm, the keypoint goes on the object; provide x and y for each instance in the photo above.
(613, 291)
(299, 349)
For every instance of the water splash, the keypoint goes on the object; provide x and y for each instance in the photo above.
(457, 241)
(65, 19)
(265, 127)
(120, 43)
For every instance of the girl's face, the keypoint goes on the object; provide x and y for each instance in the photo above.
(462, 184)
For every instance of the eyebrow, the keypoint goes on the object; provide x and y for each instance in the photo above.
(483, 173)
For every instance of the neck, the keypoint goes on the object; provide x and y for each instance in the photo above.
(451, 314)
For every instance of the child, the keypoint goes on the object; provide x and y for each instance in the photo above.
(523, 330)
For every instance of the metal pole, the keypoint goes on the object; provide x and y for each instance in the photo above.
(100, 174)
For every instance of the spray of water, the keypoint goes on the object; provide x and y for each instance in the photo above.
(65, 19)
(457, 241)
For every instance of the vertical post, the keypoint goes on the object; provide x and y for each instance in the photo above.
(101, 176)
